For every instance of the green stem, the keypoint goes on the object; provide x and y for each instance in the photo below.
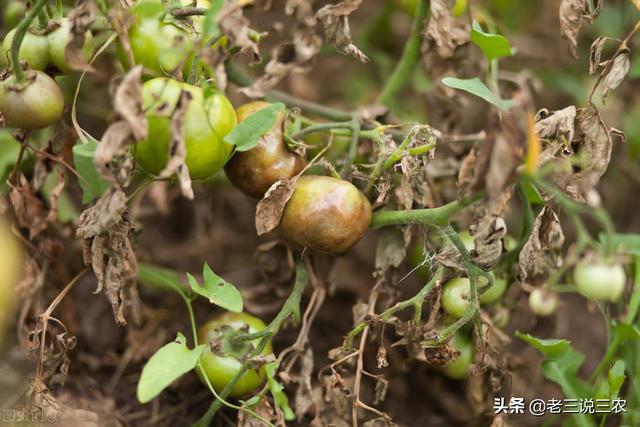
(238, 77)
(320, 127)
(290, 307)
(434, 216)
(409, 58)
(21, 30)
(353, 148)
(415, 301)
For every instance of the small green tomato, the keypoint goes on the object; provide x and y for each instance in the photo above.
(599, 280)
(34, 50)
(543, 302)
(221, 362)
(458, 368)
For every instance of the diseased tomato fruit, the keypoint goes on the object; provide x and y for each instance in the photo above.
(205, 123)
(162, 47)
(599, 280)
(221, 361)
(543, 302)
(11, 256)
(326, 214)
(35, 104)
(34, 50)
(58, 40)
(255, 170)
(458, 368)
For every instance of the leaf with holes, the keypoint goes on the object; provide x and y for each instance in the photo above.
(217, 290)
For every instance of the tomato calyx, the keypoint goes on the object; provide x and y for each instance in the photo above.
(228, 342)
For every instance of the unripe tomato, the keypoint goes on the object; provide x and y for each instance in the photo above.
(467, 240)
(206, 122)
(543, 302)
(255, 170)
(326, 214)
(34, 50)
(13, 13)
(458, 368)
(58, 40)
(36, 104)
(161, 47)
(599, 280)
(11, 256)
(456, 294)
(221, 362)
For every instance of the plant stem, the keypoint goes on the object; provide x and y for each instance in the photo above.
(409, 58)
(21, 30)
(434, 216)
(320, 127)
(353, 148)
(238, 77)
(290, 307)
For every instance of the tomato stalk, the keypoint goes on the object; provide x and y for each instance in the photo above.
(21, 31)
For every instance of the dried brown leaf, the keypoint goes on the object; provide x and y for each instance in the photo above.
(538, 256)
(440, 28)
(81, 19)
(596, 53)
(335, 18)
(29, 208)
(391, 248)
(270, 208)
(235, 26)
(571, 15)
(617, 73)
(266, 410)
(595, 147)
(556, 124)
(127, 103)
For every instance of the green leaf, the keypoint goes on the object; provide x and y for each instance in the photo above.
(168, 364)
(210, 25)
(550, 347)
(616, 379)
(533, 195)
(217, 290)
(277, 391)
(247, 133)
(626, 332)
(162, 278)
(492, 45)
(630, 242)
(476, 87)
(92, 184)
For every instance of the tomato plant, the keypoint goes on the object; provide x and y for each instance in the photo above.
(221, 361)
(326, 214)
(207, 119)
(255, 170)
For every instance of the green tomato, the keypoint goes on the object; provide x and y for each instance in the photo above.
(11, 256)
(543, 302)
(36, 104)
(206, 122)
(458, 368)
(162, 48)
(221, 362)
(416, 259)
(13, 13)
(326, 214)
(467, 240)
(456, 294)
(599, 280)
(34, 50)
(495, 292)
(58, 40)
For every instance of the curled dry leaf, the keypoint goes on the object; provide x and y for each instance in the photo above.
(335, 19)
(177, 148)
(270, 208)
(538, 256)
(617, 72)
(81, 19)
(487, 236)
(29, 208)
(571, 12)
(559, 123)
(596, 53)
(303, 402)
(266, 410)
(595, 147)
(113, 157)
(235, 26)
(440, 28)
(105, 233)
(391, 248)
(286, 57)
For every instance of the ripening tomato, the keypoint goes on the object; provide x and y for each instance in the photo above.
(221, 362)
(35, 104)
(206, 122)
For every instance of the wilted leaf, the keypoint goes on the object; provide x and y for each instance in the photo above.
(616, 74)
(595, 147)
(217, 290)
(596, 53)
(168, 364)
(270, 208)
(80, 21)
(235, 26)
(247, 133)
(556, 124)
(492, 45)
(391, 247)
(440, 26)
(571, 12)
(127, 103)
(29, 208)
(476, 87)
(538, 255)
(335, 18)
